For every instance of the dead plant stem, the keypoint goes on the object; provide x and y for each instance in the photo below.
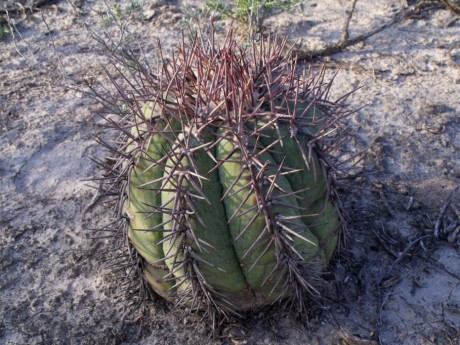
(345, 42)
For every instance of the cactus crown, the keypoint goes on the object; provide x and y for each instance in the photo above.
(224, 177)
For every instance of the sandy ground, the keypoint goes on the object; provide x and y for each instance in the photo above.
(54, 289)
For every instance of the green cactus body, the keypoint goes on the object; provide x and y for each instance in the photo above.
(204, 223)
(212, 218)
(228, 196)
(143, 229)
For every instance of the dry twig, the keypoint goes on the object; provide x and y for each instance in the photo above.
(437, 226)
(346, 41)
(345, 34)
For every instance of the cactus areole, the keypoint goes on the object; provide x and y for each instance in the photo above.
(225, 175)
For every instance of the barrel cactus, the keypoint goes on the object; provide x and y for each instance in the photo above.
(225, 175)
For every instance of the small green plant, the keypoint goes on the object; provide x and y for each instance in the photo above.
(135, 6)
(112, 14)
(118, 14)
(244, 8)
(216, 5)
(255, 11)
(249, 12)
(4, 31)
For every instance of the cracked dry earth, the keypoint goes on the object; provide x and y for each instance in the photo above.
(388, 286)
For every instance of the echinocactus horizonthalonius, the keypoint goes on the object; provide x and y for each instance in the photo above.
(225, 174)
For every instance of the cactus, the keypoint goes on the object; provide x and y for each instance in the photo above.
(225, 175)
